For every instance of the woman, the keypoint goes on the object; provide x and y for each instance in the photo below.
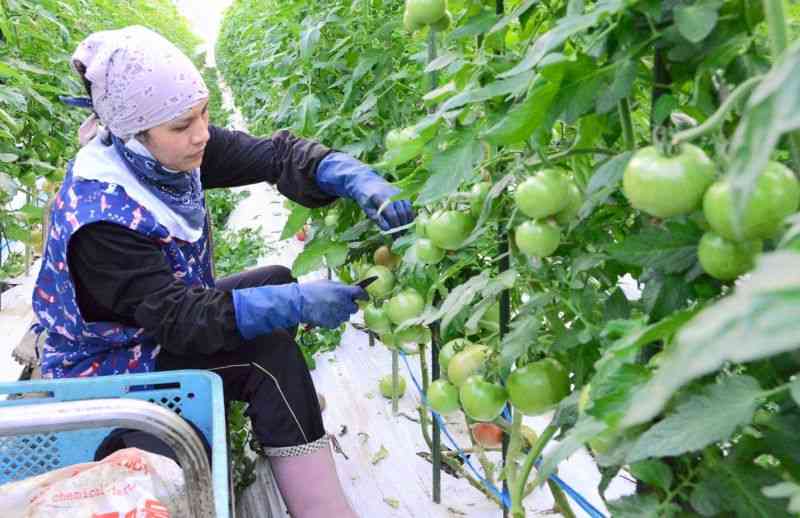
(126, 283)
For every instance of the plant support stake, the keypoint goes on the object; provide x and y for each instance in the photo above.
(436, 446)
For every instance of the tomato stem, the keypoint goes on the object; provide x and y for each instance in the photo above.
(561, 502)
(518, 487)
(716, 120)
(624, 108)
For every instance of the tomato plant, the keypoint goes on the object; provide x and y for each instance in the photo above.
(564, 158)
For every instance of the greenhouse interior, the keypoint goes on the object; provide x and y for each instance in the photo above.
(399, 258)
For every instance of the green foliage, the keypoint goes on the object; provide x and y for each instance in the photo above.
(235, 251)
(313, 341)
(37, 132)
(674, 381)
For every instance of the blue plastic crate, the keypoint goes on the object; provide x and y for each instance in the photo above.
(194, 394)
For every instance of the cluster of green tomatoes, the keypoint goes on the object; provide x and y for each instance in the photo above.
(550, 198)
(669, 186)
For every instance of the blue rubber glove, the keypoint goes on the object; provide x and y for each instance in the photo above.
(341, 175)
(264, 309)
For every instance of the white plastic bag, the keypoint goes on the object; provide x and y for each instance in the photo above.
(129, 483)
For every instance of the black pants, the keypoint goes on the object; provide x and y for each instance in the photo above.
(268, 372)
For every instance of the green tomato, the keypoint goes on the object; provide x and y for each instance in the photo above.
(405, 305)
(443, 397)
(726, 260)
(376, 320)
(466, 363)
(443, 23)
(776, 196)
(425, 12)
(449, 350)
(427, 252)
(482, 400)
(537, 387)
(409, 23)
(543, 194)
(386, 386)
(449, 229)
(667, 186)
(383, 285)
(331, 219)
(478, 195)
(538, 238)
(574, 202)
(336, 255)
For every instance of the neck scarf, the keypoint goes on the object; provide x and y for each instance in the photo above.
(180, 191)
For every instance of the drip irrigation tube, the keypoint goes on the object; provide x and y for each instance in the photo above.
(503, 496)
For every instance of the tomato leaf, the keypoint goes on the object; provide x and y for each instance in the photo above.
(664, 294)
(441, 62)
(612, 390)
(710, 416)
(311, 257)
(478, 24)
(297, 218)
(451, 167)
(604, 182)
(584, 429)
(639, 506)
(670, 249)
(695, 22)
(735, 484)
(524, 118)
(518, 11)
(795, 390)
(757, 321)
(460, 298)
(565, 28)
(523, 330)
(512, 85)
(619, 88)
(654, 472)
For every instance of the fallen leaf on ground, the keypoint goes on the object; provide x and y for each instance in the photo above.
(382, 454)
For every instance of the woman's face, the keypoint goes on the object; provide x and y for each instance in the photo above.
(180, 143)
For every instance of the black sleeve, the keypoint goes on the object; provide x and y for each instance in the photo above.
(234, 158)
(121, 276)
